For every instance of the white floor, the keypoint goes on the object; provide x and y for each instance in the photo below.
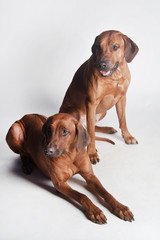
(42, 44)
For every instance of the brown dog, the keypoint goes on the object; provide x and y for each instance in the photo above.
(57, 147)
(99, 84)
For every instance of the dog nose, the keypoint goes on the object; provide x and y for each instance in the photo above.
(52, 152)
(102, 65)
(49, 151)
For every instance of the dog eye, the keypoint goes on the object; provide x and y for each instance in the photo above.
(115, 47)
(65, 132)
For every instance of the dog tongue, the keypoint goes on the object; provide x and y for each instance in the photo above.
(105, 73)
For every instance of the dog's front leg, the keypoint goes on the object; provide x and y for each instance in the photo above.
(92, 212)
(113, 205)
(120, 107)
(91, 112)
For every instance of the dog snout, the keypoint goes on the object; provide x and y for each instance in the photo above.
(52, 152)
(103, 65)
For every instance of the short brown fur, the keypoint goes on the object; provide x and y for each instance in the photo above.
(99, 84)
(57, 146)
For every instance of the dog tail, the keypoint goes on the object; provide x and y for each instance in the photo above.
(105, 140)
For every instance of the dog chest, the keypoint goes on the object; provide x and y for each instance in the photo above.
(110, 99)
(110, 92)
(107, 102)
(61, 171)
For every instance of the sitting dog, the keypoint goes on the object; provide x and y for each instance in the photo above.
(57, 146)
(99, 84)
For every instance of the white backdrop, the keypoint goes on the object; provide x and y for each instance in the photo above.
(42, 43)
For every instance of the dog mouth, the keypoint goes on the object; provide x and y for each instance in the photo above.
(108, 73)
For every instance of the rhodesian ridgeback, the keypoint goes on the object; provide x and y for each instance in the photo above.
(99, 84)
(57, 147)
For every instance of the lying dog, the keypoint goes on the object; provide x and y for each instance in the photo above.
(99, 84)
(57, 146)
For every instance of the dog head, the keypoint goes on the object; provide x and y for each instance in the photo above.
(110, 49)
(62, 133)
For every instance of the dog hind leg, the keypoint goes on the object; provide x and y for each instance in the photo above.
(15, 139)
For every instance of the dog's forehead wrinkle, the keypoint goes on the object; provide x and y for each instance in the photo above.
(110, 38)
(63, 124)
(103, 42)
(59, 121)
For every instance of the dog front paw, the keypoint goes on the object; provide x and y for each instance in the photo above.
(130, 140)
(94, 158)
(122, 212)
(96, 215)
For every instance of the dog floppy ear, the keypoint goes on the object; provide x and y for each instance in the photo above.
(94, 46)
(130, 49)
(44, 128)
(83, 137)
